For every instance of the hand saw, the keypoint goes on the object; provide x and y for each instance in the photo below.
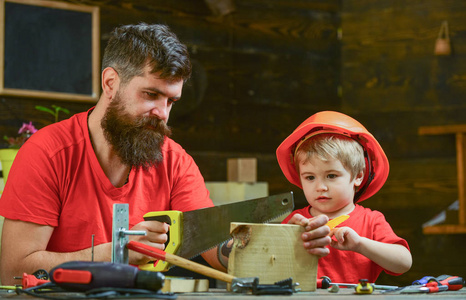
(196, 231)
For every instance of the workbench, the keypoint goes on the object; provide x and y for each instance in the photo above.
(348, 293)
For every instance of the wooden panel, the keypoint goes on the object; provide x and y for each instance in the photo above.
(393, 83)
(184, 285)
(242, 169)
(388, 60)
(273, 253)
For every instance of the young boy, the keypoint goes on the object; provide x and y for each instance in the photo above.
(338, 164)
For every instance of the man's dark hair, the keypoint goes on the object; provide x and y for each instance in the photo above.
(132, 47)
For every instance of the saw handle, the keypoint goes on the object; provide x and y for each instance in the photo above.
(174, 218)
(179, 261)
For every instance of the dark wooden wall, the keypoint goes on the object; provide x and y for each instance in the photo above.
(260, 71)
(393, 83)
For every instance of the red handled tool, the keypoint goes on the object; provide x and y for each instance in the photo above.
(454, 283)
(422, 289)
(28, 281)
(83, 276)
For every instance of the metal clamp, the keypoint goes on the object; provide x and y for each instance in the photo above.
(121, 232)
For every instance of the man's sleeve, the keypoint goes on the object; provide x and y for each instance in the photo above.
(31, 192)
(189, 191)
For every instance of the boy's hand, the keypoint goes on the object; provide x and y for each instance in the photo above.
(345, 239)
(316, 236)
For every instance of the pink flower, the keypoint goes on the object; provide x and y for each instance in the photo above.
(25, 132)
(27, 128)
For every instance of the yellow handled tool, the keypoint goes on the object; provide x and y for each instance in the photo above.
(175, 219)
(337, 221)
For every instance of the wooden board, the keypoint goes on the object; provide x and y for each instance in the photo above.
(242, 169)
(185, 285)
(272, 252)
(228, 192)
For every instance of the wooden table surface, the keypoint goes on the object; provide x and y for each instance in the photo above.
(324, 294)
(220, 294)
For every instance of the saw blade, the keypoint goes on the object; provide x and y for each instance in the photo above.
(205, 228)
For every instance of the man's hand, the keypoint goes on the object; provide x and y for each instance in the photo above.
(316, 236)
(157, 235)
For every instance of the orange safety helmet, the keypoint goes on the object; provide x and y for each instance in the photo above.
(377, 166)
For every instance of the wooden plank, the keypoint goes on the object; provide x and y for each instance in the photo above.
(442, 129)
(185, 285)
(222, 192)
(445, 229)
(273, 253)
(461, 166)
(242, 169)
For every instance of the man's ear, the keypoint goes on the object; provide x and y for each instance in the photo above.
(110, 82)
(359, 178)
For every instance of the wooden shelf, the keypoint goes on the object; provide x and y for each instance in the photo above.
(445, 229)
(460, 132)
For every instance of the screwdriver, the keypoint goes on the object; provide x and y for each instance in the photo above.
(82, 276)
(423, 289)
(453, 283)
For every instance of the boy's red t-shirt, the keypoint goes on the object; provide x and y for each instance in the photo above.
(56, 180)
(348, 266)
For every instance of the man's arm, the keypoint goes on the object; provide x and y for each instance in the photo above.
(24, 247)
(23, 250)
(211, 257)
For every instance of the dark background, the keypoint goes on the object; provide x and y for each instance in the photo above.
(264, 68)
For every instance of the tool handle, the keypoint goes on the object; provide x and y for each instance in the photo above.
(435, 289)
(179, 261)
(323, 282)
(82, 276)
(337, 221)
(175, 219)
(454, 283)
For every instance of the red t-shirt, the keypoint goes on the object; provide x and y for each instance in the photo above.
(348, 266)
(56, 180)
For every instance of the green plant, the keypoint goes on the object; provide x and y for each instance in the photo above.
(55, 111)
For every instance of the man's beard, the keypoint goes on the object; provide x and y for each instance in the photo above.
(137, 141)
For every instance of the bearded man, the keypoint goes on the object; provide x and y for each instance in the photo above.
(66, 178)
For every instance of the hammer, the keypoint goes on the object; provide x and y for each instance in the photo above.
(284, 287)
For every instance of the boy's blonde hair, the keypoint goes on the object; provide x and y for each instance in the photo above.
(332, 146)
